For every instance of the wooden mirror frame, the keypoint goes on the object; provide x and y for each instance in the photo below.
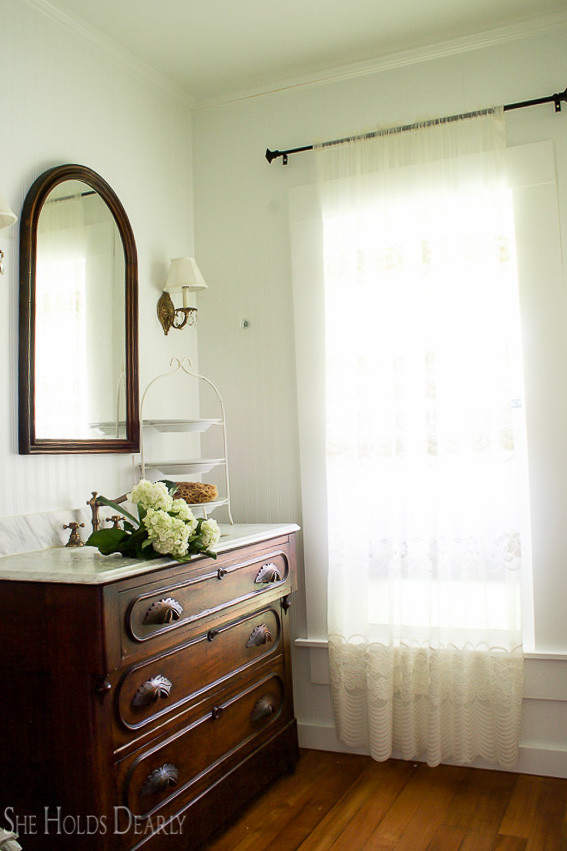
(33, 204)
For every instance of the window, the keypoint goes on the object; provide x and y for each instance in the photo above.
(532, 173)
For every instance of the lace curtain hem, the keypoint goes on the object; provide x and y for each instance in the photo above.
(428, 703)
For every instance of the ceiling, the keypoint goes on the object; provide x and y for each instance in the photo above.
(214, 49)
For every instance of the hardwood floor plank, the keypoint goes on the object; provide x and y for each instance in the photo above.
(447, 838)
(479, 806)
(353, 819)
(522, 808)
(510, 843)
(547, 832)
(420, 809)
(332, 791)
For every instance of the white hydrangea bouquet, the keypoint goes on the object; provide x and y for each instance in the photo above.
(165, 526)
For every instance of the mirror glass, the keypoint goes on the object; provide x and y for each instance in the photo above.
(78, 369)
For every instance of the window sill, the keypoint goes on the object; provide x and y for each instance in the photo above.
(322, 644)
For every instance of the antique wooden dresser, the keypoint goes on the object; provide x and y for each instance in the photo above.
(143, 704)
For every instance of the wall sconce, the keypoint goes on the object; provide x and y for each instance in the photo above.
(184, 275)
(7, 218)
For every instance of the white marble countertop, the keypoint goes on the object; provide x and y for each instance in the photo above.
(87, 566)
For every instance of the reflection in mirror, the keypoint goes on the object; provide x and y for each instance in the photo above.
(78, 366)
(79, 288)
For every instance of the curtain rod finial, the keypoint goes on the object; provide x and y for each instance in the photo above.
(272, 155)
(562, 96)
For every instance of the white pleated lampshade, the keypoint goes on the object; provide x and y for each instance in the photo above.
(184, 274)
(7, 217)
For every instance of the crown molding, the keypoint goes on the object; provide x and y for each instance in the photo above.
(114, 49)
(387, 62)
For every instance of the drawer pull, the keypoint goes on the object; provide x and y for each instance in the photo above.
(286, 603)
(216, 713)
(221, 573)
(103, 687)
(263, 708)
(212, 634)
(259, 635)
(160, 779)
(268, 573)
(164, 611)
(152, 690)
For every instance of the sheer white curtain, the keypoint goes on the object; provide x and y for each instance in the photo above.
(425, 445)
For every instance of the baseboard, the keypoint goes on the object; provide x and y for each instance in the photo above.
(532, 760)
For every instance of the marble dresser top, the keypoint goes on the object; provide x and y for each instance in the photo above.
(86, 565)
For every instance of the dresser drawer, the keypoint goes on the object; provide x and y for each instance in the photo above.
(152, 780)
(164, 610)
(150, 691)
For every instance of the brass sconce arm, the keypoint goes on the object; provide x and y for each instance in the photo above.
(171, 317)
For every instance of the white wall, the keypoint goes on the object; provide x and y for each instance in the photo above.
(64, 98)
(242, 237)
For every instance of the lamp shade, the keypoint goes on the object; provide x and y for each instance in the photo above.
(7, 217)
(184, 274)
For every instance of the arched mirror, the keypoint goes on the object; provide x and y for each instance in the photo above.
(78, 370)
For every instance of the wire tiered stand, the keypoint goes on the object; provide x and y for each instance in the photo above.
(196, 466)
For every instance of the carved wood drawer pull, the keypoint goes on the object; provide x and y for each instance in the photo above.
(163, 611)
(160, 780)
(152, 690)
(259, 635)
(268, 573)
(263, 708)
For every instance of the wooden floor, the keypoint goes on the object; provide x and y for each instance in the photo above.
(340, 801)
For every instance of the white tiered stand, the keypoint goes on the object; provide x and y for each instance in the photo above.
(159, 469)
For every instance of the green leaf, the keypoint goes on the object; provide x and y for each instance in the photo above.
(107, 541)
(114, 505)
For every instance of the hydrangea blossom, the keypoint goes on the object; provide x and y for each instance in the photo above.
(148, 494)
(167, 534)
(183, 511)
(210, 532)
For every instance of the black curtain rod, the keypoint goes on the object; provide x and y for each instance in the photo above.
(556, 99)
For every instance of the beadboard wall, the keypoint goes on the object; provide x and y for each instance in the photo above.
(242, 234)
(66, 96)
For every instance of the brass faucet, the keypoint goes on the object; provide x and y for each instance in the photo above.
(95, 506)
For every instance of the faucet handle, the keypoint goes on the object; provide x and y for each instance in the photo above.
(116, 520)
(74, 537)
